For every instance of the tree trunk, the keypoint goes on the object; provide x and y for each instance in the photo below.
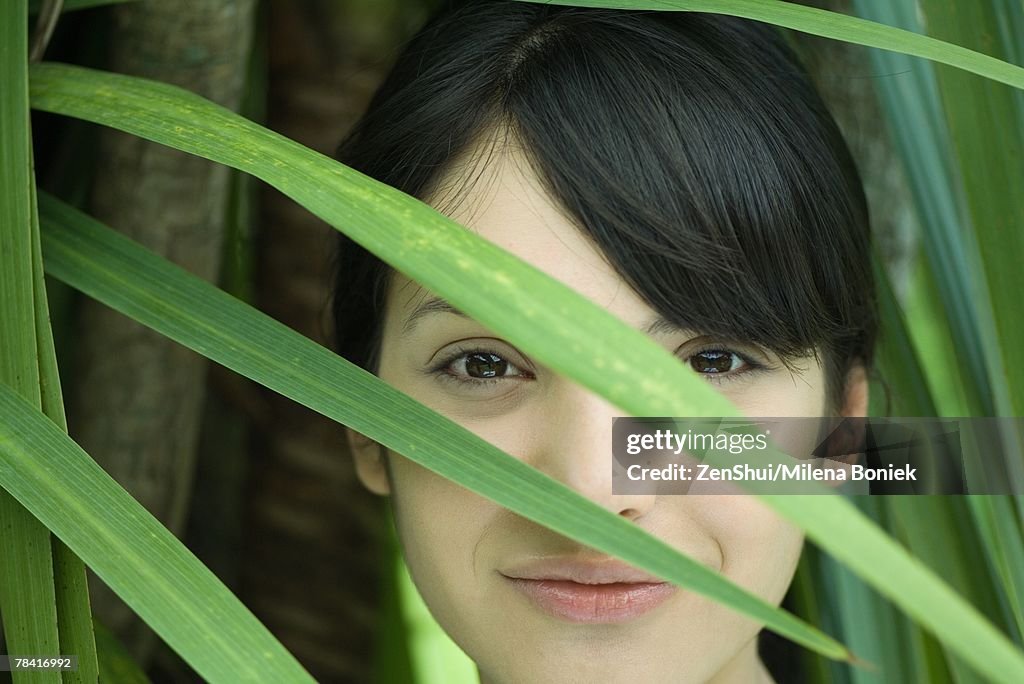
(314, 558)
(137, 395)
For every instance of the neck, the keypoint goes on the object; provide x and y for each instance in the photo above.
(744, 668)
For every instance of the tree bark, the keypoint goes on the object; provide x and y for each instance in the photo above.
(137, 395)
(313, 560)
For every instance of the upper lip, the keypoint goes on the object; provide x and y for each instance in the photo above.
(580, 570)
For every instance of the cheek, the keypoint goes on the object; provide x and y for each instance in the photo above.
(431, 511)
(760, 550)
(439, 525)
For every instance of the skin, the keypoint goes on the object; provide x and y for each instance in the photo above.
(455, 542)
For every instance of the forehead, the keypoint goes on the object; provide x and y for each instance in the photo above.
(505, 203)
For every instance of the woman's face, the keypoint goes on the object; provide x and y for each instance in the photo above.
(518, 598)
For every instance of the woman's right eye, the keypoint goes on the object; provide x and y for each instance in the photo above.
(480, 367)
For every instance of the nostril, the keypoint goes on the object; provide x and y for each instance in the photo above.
(630, 513)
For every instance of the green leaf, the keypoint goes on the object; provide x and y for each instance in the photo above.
(18, 367)
(548, 321)
(72, 5)
(71, 589)
(116, 664)
(909, 96)
(827, 24)
(27, 599)
(940, 532)
(909, 584)
(132, 552)
(128, 278)
(422, 243)
(897, 359)
(1003, 541)
(989, 143)
(946, 375)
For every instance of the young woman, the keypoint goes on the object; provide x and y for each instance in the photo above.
(677, 169)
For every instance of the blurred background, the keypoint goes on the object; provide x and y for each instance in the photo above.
(263, 491)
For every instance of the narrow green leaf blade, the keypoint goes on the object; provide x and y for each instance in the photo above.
(1003, 541)
(128, 278)
(72, 5)
(422, 243)
(939, 531)
(909, 584)
(27, 600)
(71, 588)
(897, 358)
(827, 24)
(130, 550)
(553, 324)
(989, 145)
(920, 134)
(116, 664)
(18, 367)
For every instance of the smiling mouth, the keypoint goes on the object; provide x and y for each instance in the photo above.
(608, 592)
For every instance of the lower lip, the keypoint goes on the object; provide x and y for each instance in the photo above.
(595, 603)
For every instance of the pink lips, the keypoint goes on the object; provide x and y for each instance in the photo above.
(589, 592)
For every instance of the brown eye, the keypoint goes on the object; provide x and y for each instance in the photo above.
(715, 361)
(485, 365)
(480, 369)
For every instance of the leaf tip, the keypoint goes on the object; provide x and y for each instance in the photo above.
(856, 661)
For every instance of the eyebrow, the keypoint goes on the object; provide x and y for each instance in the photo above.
(430, 305)
(435, 305)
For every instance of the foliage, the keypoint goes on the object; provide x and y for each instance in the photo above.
(59, 485)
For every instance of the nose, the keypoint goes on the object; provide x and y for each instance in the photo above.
(574, 446)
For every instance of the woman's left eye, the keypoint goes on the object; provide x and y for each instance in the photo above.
(718, 361)
(483, 365)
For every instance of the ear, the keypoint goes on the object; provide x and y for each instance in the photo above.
(370, 464)
(855, 395)
(845, 443)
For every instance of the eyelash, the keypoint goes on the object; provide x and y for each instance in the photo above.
(441, 369)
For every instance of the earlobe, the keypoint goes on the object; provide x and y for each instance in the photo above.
(370, 462)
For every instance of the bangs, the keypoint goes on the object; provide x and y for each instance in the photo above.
(723, 195)
(691, 149)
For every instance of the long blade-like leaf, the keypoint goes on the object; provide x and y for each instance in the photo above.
(27, 600)
(71, 589)
(130, 550)
(422, 243)
(125, 276)
(1003, 542)
(827, 24)
(541, 316)
(989, 144)
(920, 134)
(908, 583)
(71, 5)
(897, 358)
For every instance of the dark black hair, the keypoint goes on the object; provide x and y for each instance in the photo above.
(691, 148)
